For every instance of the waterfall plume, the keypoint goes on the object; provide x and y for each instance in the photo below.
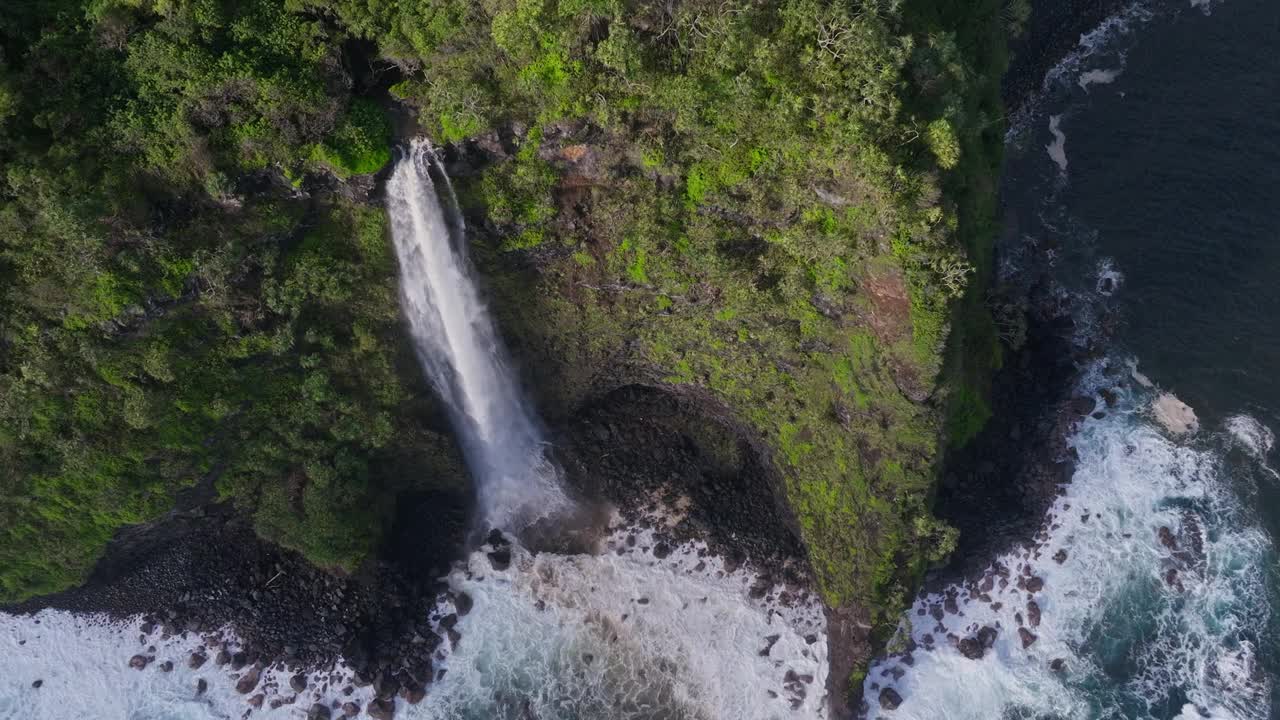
(517, 483)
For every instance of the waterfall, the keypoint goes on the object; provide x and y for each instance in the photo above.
(461, 351)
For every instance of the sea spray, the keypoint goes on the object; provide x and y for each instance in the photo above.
(518, 484)
(628, 634)
(631, 634)
(1148, 592)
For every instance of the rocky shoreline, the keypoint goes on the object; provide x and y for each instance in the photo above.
(203, 575)
(203, 568)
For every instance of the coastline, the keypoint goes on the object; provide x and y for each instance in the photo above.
(203, 568)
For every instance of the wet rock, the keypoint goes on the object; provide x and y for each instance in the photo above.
(197, 660)
(1027, 637)
(319, 712)
(412, 692)
(350, 709)
(138, 662)
(386, 687)
(248, 681)
(257, 700)
(222, 658)
(971, 648)
(950, 605)
(1167, 538)
(1057, 664)
(770, 641)
(1035, 584)
(1081, 406)
(500, 559)
(298, 683)
(37, 684)
(239, 660)
(382, 709)
(890, 699)
(463, 603)
(166, 666)
(987, 636)
(1033, 613)
(1060, 556)
(201, 686)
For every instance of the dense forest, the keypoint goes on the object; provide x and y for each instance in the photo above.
(788, 203)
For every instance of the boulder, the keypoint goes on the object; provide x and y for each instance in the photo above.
(222, 658)
(1033, 613)
(138, 662)
(382, 709)
(1060, 556)
(350, 709)
(1027, 636)
(1057, 664)
(386, 687)
(298, 683)
(971, 648)
(257, 700)
(201, 686)
(987, 636)
(248, 681)
(463, 603)
(1035, 584)
(37, 684)
(500, 559)
(319, 712)
(197, 660)
(412, 693)
(890, 699)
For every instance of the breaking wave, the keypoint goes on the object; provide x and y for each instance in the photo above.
(1141, 597)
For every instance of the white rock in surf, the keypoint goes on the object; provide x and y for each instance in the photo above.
(1176, 416)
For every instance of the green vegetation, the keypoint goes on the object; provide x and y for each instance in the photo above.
(172, 309)
(789, 203)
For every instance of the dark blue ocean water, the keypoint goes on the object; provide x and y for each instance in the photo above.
(1146, 176)
(1172, 189)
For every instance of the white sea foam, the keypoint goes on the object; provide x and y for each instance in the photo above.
(1132, 611)
(628, 635)
(622, 635)
(1109, 278)
(1058, 148)
(1257, 438)
(1098, 46)
(82, 664)
(1098, 77)
(1137, 376)
(1205, 6)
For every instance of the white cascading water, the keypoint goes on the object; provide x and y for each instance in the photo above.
(518, 484)
(624, 634)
